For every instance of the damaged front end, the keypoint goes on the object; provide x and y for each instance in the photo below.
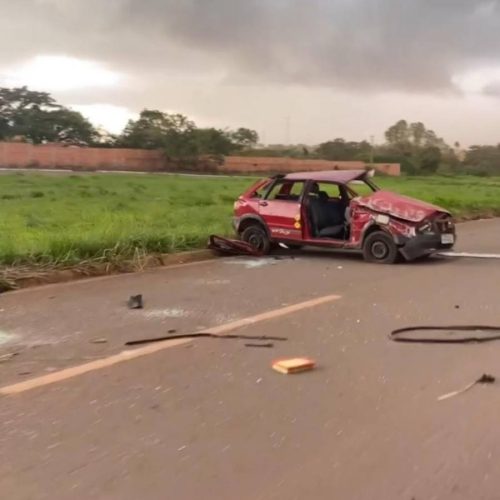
(418, 228)
(433, 234)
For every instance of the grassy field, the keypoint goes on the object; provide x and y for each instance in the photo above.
(64, 219)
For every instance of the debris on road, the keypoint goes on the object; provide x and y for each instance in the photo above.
(484, 379)
(8, 356)
(293, 365)
(135, 302)
(231, 247)
(395, 334)
(99, 341)
(204, 334)
(253, 263)
(172, 330)
(269, 344)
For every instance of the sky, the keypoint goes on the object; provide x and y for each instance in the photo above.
(300, 71)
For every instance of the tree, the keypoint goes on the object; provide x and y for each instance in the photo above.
(430, 158)
(398, 134)
(180, 138)
(245, 138)
(417, 133)
(37, 117)
(341, 150)
(154, 129)
(417, 148)
(212, 141)
(483, 159)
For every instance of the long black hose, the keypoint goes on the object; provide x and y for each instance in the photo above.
(395, 334)
(202, 334)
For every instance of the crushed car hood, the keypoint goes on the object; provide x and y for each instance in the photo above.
(399, 206)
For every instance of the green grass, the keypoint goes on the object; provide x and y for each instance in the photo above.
(66, 219)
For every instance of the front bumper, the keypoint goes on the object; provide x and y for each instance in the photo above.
(424, 244)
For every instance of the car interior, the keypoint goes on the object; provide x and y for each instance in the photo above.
(327, 205)
(328, 209)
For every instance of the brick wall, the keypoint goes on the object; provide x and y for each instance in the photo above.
(53, 156)
(50, 156)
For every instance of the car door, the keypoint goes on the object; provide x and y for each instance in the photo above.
(280, 209)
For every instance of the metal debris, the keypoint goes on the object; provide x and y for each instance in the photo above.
(135, 302)
(484, 379)
(99, 341)
(226, 246)
(204, 334)
(269, 344)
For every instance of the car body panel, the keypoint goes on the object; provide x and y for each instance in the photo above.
(402, 207)
(283, 218)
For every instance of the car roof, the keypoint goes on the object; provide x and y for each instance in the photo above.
(340, 176)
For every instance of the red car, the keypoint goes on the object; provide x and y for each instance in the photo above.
(341, 209)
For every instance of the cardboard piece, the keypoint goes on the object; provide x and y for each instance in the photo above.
(293, 365)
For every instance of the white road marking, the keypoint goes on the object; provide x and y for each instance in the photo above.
(123, 356)
(471, 255)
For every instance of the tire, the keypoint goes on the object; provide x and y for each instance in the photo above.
(256, 236)
(379, 247)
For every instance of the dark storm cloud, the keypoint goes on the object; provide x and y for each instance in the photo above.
(415, 45)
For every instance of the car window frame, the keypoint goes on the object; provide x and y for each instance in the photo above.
(283, 181)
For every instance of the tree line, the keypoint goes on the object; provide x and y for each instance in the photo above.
(36, 117)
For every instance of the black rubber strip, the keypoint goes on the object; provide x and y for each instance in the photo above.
(395, 334)
(203, 334)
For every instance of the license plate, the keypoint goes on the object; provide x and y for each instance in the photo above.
(447, 239)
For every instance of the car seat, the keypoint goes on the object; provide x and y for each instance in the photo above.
(323, 223)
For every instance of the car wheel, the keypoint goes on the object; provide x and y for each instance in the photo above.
(256, 236)
(380, 247)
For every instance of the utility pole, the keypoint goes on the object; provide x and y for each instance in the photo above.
(371, 150)
(287, 130)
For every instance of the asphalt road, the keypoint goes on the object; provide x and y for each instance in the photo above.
(209, 419)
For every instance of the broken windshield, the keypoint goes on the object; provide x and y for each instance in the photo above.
(362, 187)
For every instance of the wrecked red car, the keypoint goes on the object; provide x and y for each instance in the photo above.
(341, 209)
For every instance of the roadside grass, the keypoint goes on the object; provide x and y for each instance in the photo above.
(62, 220)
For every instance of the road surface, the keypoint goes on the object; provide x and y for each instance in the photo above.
(209, 419)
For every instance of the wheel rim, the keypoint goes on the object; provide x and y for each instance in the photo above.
(256, 240)
(380, 250)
